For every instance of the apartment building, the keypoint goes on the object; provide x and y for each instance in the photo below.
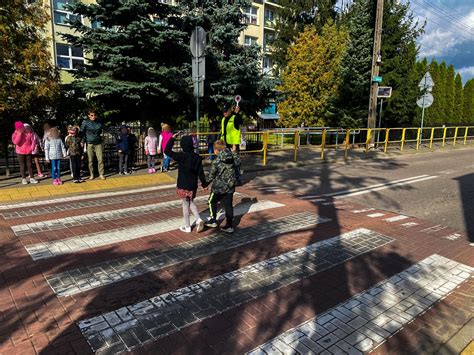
(260, 17)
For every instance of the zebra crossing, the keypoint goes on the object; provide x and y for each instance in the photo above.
(358, 324)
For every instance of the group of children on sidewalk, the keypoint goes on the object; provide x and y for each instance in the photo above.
(222, 175)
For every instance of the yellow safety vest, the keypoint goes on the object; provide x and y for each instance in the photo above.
(232, 134)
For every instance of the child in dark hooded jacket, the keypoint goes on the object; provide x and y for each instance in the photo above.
(189, 170)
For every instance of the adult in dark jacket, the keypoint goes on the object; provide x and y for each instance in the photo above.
(91, 131)
(189, 171)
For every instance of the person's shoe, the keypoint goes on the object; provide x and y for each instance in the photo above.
(200, 226)
(41, 175)
(33, 181)
(125, 173)
(59, 182)
(153, 170)
(227, 229)
(102, 177)
(185, 229)
(55, 182)
(24, 181)
(76, 181)
(211, 224)
(92, 177)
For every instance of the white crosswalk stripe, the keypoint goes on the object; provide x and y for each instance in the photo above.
(366, 320)
(167, 313)
(91, 276)
(72, 245)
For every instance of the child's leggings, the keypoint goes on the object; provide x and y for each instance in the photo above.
(189, 204)
(150, 159)
(55, 168)
(166, 161)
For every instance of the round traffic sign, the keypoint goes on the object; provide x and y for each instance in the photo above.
(198, 42)
(425, 101)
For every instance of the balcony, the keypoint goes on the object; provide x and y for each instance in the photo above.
(270, 23)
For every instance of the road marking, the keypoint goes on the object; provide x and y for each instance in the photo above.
(376, 215)
(434, 229)
(169, 312)
(92, 276)
(366, 320)
(379, 187)
(396, 218)
(98, 217)
(447, 172)
(84, 197)
(454, 236)
(317, 200)
(364, 210)
(54, 208)
(72, 245)
(410, 224)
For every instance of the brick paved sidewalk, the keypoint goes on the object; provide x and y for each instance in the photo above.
(111, 272)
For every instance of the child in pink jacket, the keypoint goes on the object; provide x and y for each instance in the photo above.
(24, 145)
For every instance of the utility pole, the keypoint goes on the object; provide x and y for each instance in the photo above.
(376, 61)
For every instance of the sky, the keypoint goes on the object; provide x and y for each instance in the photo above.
(449, 32)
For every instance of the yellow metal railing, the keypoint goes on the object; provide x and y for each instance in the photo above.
(367, 139)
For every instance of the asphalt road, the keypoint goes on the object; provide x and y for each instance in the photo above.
(436, 186)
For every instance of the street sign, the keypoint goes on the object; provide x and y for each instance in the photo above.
(384, 92)
(199, 88)
(426, 82)
(198, 42)
(425, 101)
(199, 68)
(377, 79)
(237, 99)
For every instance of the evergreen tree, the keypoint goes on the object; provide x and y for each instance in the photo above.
(458, 100)
(292, 19)
(349, 107)
(311, 77)
(433, 114)
(468, 111)
(138, 56)
(29, 82)
(398, 69)
(450, 96)
(230, 67)
(441, 94)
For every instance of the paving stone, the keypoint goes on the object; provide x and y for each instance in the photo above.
(381, 321)
(94, 240)
(173, 304)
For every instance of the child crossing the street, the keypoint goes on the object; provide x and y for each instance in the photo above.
(189, 171)
(223, 178)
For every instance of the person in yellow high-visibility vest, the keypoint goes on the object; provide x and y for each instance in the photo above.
(230, 132)
(230, 126)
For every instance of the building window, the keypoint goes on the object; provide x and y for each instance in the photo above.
(68, 57)
(249, 40)
(267, 65)
(61, 15)
(251, 15)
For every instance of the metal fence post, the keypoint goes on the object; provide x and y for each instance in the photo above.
(323, 143)
(418, 139)
(465, 135)
(367, 142)
(296, 146)
(402, 144)
(347, 142)
(455, 136)
(265, 147)
(444, 136)
(431, 138)
(387, 133)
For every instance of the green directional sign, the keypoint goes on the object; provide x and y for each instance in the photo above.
(377, 79)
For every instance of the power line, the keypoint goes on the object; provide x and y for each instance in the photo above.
(442, 15)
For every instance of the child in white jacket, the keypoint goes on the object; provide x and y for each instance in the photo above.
(54, 151)
(151, 149)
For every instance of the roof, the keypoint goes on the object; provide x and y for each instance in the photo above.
(269, 116)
